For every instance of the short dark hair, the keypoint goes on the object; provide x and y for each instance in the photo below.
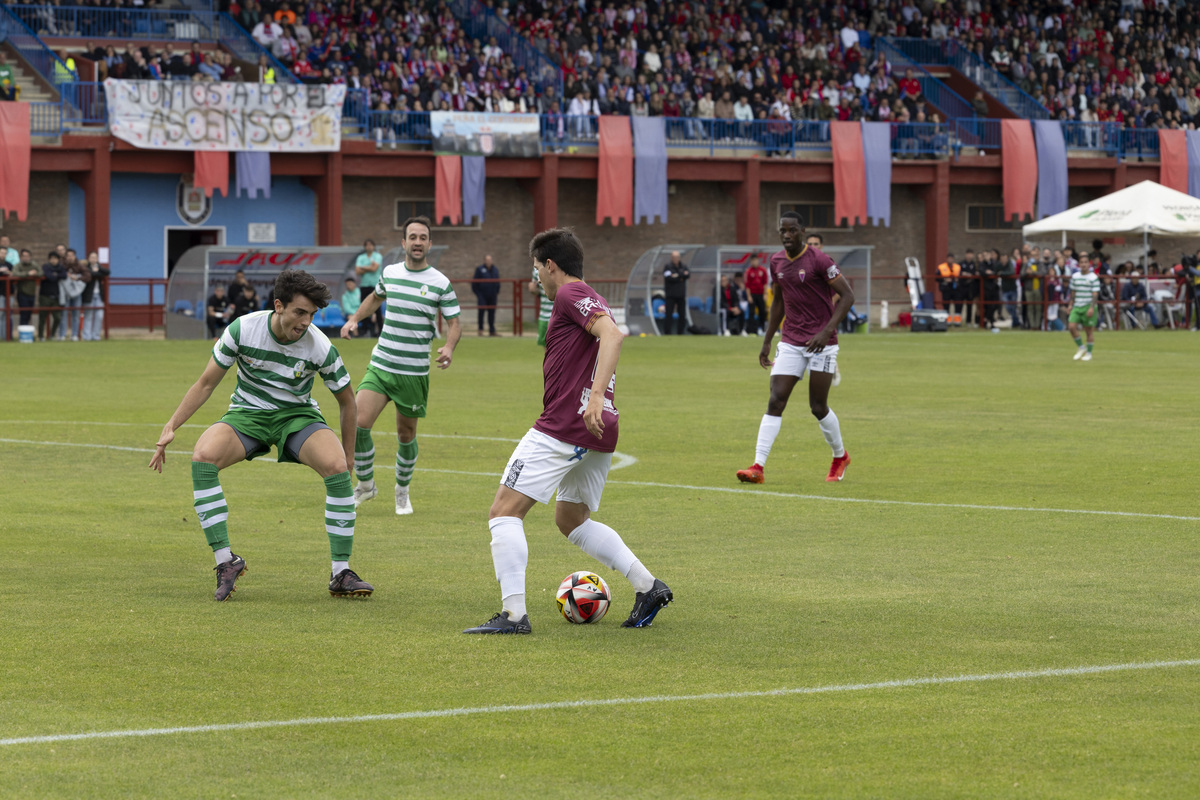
(423, 220)
(292, 282)
(793, 215)
(820, 239)
(25, 250)
(52, 254)
(561, 246)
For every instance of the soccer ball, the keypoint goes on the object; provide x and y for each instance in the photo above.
(583, 597)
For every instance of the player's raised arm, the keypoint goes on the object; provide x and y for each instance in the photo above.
(195, 397)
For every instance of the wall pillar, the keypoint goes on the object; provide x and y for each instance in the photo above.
(97, 190)
(748, 195)
(937, 221)
(328, 188)
(544, 189)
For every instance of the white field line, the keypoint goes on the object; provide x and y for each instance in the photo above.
(621, 460)
(596, 703)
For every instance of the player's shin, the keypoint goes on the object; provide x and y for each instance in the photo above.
(832, 432)
(364, 455)
(339, 519)
(510, 555)
(606, 546)
(406, 462)
(211, 509)
(768, 429)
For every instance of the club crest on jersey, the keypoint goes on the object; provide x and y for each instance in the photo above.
(424, 290)
(801, 275)
(298, 370)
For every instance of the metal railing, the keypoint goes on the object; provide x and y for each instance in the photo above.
(949, 102)
(93, 22)
(951, 53)
(32, 49)
(82, 106)
(481, 23)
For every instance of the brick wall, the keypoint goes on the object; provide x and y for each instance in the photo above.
(47, 222)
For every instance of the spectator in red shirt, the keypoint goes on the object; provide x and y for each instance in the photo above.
(756, 286)
(910, 87)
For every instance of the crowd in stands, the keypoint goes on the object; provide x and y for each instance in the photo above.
(1129, 61)
(66, 293)
(1028, 287)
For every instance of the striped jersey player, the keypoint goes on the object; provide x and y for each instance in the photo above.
(1085, 292)
(414, 293)
(279, 355)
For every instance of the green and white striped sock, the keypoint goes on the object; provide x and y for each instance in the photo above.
(364, 455)
(209, 502)
(339, 515)
(406, 462)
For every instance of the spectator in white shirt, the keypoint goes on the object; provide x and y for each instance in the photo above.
(849, 34)
(651, 60)
(861, 80)
(742, 111)
(266, 32)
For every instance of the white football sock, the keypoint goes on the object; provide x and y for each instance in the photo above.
(510, 555)
(338, 566)
(223, 555)
(833, 433)
(606, 546)
(768, 429)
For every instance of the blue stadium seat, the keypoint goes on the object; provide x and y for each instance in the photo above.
(183, 307)
(332, 316)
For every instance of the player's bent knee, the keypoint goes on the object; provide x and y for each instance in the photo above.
(820, 411)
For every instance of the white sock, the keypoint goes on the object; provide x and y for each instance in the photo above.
(606, 546)
(366, 486)
(768, 429)
(223, 555)
(510, 555)
(338, 566)
(833, 433)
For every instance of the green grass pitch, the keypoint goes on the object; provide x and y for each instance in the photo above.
(984, 444)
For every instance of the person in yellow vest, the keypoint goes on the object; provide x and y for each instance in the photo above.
(266, 73)
(64, 68)
(948, 272)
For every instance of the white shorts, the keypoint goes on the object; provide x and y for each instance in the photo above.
(540, 464)
(792, 360)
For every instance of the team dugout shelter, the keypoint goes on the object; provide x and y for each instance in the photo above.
(645, 291)
(204, 267)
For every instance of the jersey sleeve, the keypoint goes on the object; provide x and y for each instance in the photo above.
(225, 351)
(380, 290)
(829, 270)
(583, 305)
(333, 371)
(449, 303)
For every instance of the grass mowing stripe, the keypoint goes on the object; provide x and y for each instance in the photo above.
(904, 683)
(624, 461)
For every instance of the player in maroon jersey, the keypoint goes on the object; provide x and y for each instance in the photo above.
(570, 447)
(805, 281)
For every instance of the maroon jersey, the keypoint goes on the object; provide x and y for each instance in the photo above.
(570, 367)
(807, 295)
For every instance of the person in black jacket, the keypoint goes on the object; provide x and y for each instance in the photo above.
(53, 273)
(487, 293)
(675, 276)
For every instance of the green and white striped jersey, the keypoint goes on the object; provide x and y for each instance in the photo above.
(273, 375)
(410, 319)
(545, 307)
(1084, 289)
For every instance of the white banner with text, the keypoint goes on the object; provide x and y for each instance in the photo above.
(278, 117)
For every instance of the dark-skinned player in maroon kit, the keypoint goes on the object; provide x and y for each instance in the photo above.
(570, 447)
(805, 281)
